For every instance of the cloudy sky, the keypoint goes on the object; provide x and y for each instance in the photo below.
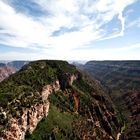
(70, 29)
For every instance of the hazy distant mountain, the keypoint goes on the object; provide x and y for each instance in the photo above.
(17, 64)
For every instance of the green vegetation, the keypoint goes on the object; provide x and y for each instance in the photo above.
(21, 90)
(57, 126)
(75, 110)
(63, 123)
(32, 78)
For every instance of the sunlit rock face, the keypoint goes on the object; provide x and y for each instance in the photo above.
(26, 123)
(18, 127)
(6, 71)
(9, 68)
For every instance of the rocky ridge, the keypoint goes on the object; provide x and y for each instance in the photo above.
(48, 90)
(132, 101)
(6, 71)
(9, 68)
(121, 79)
(29, 118)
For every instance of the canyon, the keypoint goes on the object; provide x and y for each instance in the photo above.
(51, 99)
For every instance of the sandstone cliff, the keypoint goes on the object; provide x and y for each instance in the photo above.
(6, 71)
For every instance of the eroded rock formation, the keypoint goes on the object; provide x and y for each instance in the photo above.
(6, 71)
(26, 121)
(59, 99)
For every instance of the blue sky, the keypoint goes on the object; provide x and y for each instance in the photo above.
(70, 29)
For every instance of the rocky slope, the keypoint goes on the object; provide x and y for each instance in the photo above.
(132, 101)
(122, 80)
(116, 74)
(9, 68)
(6, 71)
(52, 100)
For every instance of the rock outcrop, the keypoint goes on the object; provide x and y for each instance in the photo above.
(28, 119)
(9, 68)
(18, 127)
(132, 100)
(6, 71)
(21, 125)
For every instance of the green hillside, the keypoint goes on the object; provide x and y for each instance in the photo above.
(77, 111)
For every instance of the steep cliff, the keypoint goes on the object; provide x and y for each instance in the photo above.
(122, 80)
(52, 100)
(6, 71)
(9, 68)
(132, 101)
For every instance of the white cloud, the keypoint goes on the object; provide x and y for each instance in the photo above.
(24, 30)
(123, 53)
(17, 56)
(87, 16)
(133, 23)
(119, 7)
